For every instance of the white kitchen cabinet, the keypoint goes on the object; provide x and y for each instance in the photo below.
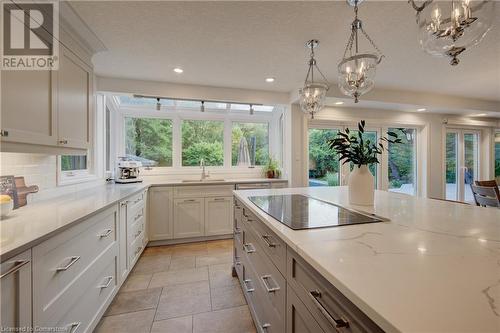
(161, 215)
(218, 216)
(15, 283)
(29, 108)
(123, 267)
(75, 101)
(189, 217)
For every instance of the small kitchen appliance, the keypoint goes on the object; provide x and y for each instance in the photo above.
(127, 171)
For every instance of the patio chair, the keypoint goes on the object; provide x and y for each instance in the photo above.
(485, 196)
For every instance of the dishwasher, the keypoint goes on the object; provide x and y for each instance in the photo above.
(253, 186)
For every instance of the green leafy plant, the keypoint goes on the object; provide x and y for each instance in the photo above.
(272, 168)
(332, 178)
(360, 151)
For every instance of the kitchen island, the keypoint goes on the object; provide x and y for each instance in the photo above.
(434, 267)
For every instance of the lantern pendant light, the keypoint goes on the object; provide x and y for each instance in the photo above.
(312, 96)
(356, 70)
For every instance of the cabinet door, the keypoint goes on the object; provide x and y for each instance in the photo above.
(15, 283)
(298, 318)
(75, 96)
(188, 218)
(123, 267)
(29, 107)
(161, 213)
(218, 216)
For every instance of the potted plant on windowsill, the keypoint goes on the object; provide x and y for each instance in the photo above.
(271, 168)
(361, 152)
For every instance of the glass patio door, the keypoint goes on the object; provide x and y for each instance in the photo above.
(461, 163)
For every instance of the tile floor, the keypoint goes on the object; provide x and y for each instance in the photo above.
(179, 289)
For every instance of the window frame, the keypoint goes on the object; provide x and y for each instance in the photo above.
(382, 182)
(178, 115)
(231, 141)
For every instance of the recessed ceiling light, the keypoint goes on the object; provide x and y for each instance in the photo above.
(339, 103)
(178, 70)
(479, 115)
(270, 79)
(421, 109)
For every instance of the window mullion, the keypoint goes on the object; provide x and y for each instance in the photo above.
(176, 142)
(228, 124)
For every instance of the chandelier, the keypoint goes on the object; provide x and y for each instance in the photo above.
(357, 69)
(312, 95)
(448, 28)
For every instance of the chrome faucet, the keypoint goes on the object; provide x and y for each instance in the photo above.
(204, 174)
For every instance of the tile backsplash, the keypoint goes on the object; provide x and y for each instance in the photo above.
(37, 169)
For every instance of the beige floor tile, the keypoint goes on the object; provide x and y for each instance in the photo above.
(182, 263)
(232, 320)
(134, 301)
(134, 322)
(188, 250)
(221, 276)
(227, 297)
(214, 259)
(152, 264)
(157, 250)
(174, 325)
(185, 290)
(170, 307)
(222, 243)
(178, 277)
(136, 282)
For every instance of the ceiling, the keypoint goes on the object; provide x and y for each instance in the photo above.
(238, 44)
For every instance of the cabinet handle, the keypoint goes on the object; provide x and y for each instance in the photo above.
(138, 233)
(219, 199)
(123, 204)
(4, 133)
(138, 216)
(73, 327)
(138, 250)
(189, 200)
(267, 239)
(337, 323)
(249, 248)
(106, 233)
(237, 231)
(63, 142)
(269, 289)
(137, 200)
(18, 264)
(105, 285)
(266, 326)
(71, 262)
(247, 289)
(237, 263)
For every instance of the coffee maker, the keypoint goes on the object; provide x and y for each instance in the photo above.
(127, 171)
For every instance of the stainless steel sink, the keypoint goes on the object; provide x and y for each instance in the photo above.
(207, 180)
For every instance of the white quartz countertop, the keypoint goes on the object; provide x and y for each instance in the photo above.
(30, 225)
(435, 267)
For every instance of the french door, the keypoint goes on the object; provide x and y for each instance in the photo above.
(461, 163)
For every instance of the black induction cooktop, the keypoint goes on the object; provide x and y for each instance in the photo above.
(298, 211)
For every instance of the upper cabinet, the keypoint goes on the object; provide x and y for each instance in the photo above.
(29, 108)
(75, 101)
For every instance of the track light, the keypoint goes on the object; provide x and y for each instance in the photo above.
(158, 104)
(202, 107)
(251, 109)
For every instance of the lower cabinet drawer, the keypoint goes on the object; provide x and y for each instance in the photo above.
(135, 250)
(96, 295)
(238, 257)
(60, 261)
(330, 308)
(82, 300)
(298, 318)
(136, 230)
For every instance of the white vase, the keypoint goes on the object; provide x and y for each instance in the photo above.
(361, 186)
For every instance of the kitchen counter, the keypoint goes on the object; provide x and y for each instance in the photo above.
(30, 225)
(434, 267)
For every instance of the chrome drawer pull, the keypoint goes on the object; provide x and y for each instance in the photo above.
(71, 262)
(137, 217)
(18, 265)
(106, 233)
(248, 290)
(337, 323)
(105, 285)
(189, 200)
(137, 200)
(267, 239)
(237, 231)
(270, 289)
(237, 263)
(138, 250)
(219, 199)
(266, 326)
(73, 327)
(249, 248)
(139, 232)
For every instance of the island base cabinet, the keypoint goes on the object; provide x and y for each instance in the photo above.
(15, 284)
(298, 318)
(189, 218)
